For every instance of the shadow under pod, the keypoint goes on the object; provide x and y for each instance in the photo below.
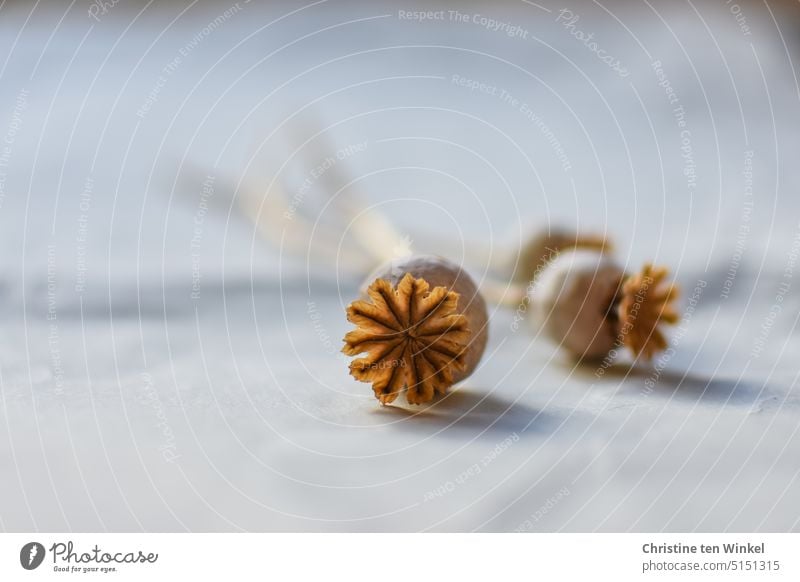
(684, 386)
(475, 412)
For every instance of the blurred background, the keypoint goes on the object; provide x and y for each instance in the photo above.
(181, 188)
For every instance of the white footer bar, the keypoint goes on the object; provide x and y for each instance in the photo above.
(390, 557)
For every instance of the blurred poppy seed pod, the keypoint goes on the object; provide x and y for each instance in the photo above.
(542, 248)
(585, 302)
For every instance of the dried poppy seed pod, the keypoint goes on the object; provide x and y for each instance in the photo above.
(423, 326)
(587, 303)
(544, 247)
